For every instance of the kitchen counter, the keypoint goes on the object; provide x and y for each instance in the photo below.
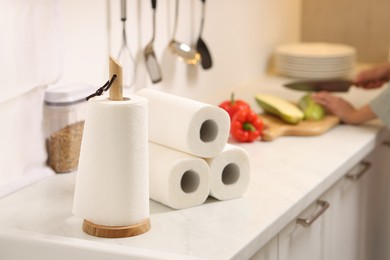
(287, 175)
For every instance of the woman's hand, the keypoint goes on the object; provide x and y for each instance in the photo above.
(334, 105)
(374, 77)
(343, 109)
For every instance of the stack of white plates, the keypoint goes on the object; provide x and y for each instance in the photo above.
(315, 60)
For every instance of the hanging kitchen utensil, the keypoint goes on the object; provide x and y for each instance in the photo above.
(125, 57)
(201, 46)
(150, 57)
(183, 52)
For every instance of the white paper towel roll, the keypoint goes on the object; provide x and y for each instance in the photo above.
(178, 180)
(186, 125)
(112, 185)
(230, 173)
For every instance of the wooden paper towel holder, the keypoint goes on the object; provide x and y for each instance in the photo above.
(115, 231)
(97, 230)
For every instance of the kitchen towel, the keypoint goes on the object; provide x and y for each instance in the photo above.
(112, 185)
(31, 47)
(230, 173)
(178, 180)
(186, 125)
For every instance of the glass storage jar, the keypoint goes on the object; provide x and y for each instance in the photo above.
(65, 108)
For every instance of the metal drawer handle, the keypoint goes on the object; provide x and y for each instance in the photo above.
(306, 222)
(354, 177)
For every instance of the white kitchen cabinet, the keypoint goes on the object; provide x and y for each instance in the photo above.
(303, 238)
(346, 223)
(378, 207)
(267, 252)
(340, 232)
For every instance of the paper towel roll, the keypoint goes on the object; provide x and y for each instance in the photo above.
(178, 180)
(230, 173)
(186, 125)
(112, 185)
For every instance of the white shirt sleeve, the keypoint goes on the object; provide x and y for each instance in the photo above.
(381, 106)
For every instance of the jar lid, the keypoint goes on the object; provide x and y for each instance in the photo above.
(67, 94)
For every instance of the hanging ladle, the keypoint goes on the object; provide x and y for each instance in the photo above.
(183, 52)
(201, 46)
(124, 56)
(150, 57)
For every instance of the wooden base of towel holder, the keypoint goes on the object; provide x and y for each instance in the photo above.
(115, 231)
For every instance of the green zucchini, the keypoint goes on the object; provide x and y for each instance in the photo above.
(280, 107)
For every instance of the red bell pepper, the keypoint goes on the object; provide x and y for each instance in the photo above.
(232, 106)
(246, 126)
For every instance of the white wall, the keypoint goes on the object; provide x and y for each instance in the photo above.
(240, 34)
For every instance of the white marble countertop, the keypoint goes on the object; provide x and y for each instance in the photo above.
(287, 175)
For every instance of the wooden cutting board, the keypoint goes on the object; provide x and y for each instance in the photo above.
(275, 127)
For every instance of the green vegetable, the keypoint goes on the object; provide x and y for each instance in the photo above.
(311, 109)
(281, 108)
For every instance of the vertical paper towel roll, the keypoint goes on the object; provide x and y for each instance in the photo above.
(112, 185)
(230, 173)
(186, 125)
(178, 180)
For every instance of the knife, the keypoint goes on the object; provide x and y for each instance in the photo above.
(334, 85)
